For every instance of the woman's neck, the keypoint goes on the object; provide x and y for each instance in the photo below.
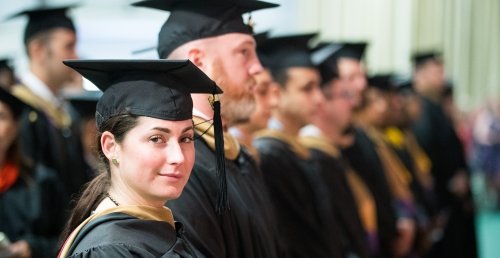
(123, 196)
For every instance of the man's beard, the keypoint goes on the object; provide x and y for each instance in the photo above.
(236, 108)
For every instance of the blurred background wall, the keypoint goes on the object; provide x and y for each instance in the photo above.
(466, 31)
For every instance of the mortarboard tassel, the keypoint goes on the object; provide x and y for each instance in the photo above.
(222, 201)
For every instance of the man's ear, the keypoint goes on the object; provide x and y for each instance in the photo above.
(109, 146)
(196, 56)
(37, 50)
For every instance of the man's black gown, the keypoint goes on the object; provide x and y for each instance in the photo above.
(45, 141)
(363, 158)
(295, 187)
(435, 133)
(247, 229)
(345, 209)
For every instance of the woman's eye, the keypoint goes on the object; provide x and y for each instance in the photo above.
(157, 139)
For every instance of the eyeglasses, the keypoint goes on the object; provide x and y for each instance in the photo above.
(346, 95)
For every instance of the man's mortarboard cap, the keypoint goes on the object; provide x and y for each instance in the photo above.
(402, 84)
(259, 37)
(420, 58)
(46, 18)
(84, 102)
(382, 82)
(321, 57)
(196, 19)
(154, 88)
(16, 105)
(287, 51)
(351, 50)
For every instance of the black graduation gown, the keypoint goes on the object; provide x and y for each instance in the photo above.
(291, 181)
(58, 148)
(118, 234)
(32, 210)
(333, 174)
(363, 158)
(247, 229)
(424, 198)
(435, 133)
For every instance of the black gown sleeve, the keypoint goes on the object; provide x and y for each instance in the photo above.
(49, 212)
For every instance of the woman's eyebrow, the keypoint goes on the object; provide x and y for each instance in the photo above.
(166, 130)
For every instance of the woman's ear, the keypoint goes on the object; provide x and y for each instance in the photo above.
(109, 146)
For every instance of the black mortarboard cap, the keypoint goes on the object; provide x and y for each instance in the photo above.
(46, 18)
(84, 102)
(16, 105)
(402, 84)
(6, 64)
(322, 58)
(260, 38)
(154, 88)
(353, 50)
(382, 82)
(196, 19)
(419, 58)
(287, 51)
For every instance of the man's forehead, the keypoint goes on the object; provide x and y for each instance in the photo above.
(237, 39)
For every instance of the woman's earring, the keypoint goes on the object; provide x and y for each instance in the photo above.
(115, 161)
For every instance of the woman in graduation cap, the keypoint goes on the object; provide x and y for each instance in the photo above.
(145, 144)
(30, 205)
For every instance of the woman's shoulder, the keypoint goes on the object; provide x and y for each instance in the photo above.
(113, 250)
(119, 232)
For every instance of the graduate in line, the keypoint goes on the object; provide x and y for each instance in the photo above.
(146, 145)
(304, 215)
(238, 222)
(31, 204)
(50, 134)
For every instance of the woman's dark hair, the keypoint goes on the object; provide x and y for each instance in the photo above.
(96, 190)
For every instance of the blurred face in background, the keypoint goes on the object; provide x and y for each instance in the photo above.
(301, 95)
(431, 76)
(395, 114)
(376, 107)
(8, 128)
(266, 98)
(352, 72)
(338, 103)
(47, 51)
(412, 107)
(7, 78)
